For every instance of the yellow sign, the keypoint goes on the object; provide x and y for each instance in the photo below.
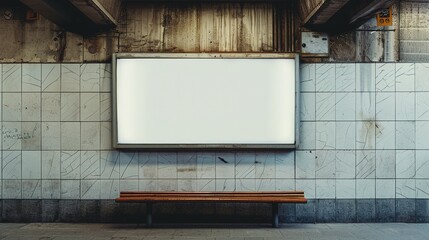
(384, 17)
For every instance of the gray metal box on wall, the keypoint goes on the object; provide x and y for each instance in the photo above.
(314, 44)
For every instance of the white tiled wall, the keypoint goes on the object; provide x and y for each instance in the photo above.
(363, 134)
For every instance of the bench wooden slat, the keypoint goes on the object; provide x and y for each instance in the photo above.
(208, 195)
(229, 192)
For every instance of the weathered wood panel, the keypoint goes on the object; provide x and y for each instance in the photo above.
(308, 7)
(414, 29)
(112, 6)
(198, 27)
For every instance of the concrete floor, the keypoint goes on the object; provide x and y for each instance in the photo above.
(66, 231)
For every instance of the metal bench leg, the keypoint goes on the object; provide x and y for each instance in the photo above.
(149, 214)
(275, 216)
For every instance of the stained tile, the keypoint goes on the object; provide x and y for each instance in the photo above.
(105, 106)
(187, 165)
(148, 164)
(12, 136)
(365, 106)
(167, 165)
(206, 165)
(31, 136)
(265, 165)
(225, 165)
(422, 140)
(105, 77)
(31, 107)
(386, 164)
(90, 189)
(365, 77)
(12, 189)
(365, 135)
(308, 186)
(385, 135)
(70, 189)
(110, 189)
(51, 189)
(32, 189)
(12, 165)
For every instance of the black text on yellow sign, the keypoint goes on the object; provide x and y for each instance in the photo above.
(384, 17)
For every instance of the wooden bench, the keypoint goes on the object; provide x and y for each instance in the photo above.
(244, 197)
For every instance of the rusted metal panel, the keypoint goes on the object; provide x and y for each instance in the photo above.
(195, 27)
(414, 29)
(100, 48)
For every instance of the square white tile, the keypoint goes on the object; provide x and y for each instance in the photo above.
(405, 106)
(307, 135)
(365, 106)
(90, 165)
(51, 106)
(129, 165)
(365, 188)
(31, 164)
(51, 189)
(422, 105)
(345, 77)
(404, 77)
(365, 164)
(365, 135)
(385, 106)
(325, 135)
(285, 164)
(345, 106)
(90, 136)
(51, 136)
(422, 164)
(308, 107)
(422, 76)
(405, 135)
(70, 77)
(385, 188)
(90, 77)
(325, 106)
(32, 189)
(31, 77)
(70, 107)
(405, 163)
(70, 165)
(51, 165)
(325, 163)
(90, 107)
(51, 76)
(325, 77)
(245, 165)
(345, 164)
(70, 135)
(406, 188)
(385, 77)
(325, 188)
(70, 189)
(11, 107)
(31, 106)
(305, 165)
(11, 81)
(345, 135)
(345, 188)
(308, 77)
(148, 164)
